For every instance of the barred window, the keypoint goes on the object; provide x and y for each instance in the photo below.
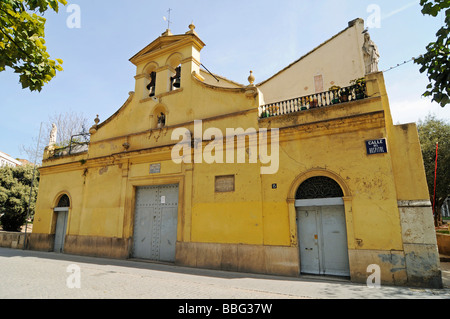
(64, 201)
(319, 187)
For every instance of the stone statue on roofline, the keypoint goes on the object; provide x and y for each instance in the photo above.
(371, 54)
(49, 150)
(53, 134)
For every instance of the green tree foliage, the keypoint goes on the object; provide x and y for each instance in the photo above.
(433, 130)
(22, 41)
(436, 61)
(15, 184)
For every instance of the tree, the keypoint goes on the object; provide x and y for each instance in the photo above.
(431, 131)
(22, 41)
(68, 124)
(436, 61)
(15, 185)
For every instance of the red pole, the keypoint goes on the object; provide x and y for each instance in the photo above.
(435, 173)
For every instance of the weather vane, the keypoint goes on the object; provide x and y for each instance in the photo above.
(168, 19)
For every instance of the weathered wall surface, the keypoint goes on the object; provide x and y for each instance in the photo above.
(336, 62)
(251, 227)
(443, 241)
(11, 240)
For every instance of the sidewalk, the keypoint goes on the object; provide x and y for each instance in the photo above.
(31, 274)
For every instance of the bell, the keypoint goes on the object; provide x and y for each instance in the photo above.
(151, 86)
(177, 83)
(151, 91)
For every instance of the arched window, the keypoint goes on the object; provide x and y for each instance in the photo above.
(175, 80)
(319, 187)
(173, 62)
(64, 202)
(150, 79)
(160, 116)
(152, 84)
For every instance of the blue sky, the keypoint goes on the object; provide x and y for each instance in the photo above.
(263, 36)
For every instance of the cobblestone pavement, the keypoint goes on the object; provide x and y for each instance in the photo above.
(42, 275)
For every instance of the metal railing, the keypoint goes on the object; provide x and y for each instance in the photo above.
(317, 100)
(78, 144)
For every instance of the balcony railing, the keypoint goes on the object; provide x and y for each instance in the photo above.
(313, 101)
(78, 144)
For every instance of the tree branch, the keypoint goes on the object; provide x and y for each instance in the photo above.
(18, 46)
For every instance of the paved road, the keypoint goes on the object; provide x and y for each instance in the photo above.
(42, 275)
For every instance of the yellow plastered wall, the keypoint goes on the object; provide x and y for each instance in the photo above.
(338, 61)
(102, 182)
(253, 213)
(52, 186)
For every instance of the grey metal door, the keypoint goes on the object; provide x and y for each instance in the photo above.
(308, 240)
(323, 240)
(61, 228)
(334, 247)
(155, 222)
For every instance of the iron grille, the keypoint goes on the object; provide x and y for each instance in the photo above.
(319, 187)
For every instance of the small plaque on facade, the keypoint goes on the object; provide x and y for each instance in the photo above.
(376, 146)
(155, 168)
(224, 184)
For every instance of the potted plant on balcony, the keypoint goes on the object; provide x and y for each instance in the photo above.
(343, 95)
(305, 103)
(273, 110)
(314, 102)
(360, 88)
(335, 91)
(267, 111)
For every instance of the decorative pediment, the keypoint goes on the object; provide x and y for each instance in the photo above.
(165, 43)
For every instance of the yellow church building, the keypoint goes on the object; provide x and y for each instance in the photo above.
(303, 173)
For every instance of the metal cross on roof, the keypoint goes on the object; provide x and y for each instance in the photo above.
(168, 19)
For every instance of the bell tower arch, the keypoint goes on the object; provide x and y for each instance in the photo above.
(167, 63)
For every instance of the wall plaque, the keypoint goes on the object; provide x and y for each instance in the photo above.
(155, 168)
(224, 184)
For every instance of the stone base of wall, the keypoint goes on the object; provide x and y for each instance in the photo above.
(11, 240)
(40, 242)
(422, 261)
(419, 244)
(392, 266)
(416, 266)
(105, 247)
(275, 260)
(443, 242)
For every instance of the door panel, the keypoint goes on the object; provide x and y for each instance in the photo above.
(309, 249)
(168, 234)
(144, 217)
(169, 220)
(155, 226)
(335, 248)
(60, 233)
(323, 240)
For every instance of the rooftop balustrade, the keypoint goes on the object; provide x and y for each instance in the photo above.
(335, 95)
(78, 144)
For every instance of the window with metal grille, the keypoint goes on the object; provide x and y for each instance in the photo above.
(64, 201)
(319, 187)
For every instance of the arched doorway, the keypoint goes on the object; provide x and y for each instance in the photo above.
(321, 227)
(62, 213)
